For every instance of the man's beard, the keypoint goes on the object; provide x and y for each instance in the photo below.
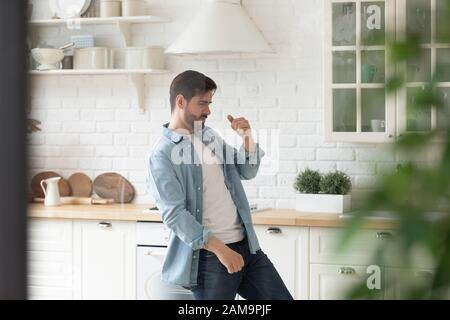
(196, 122)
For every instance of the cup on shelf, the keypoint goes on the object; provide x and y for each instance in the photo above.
(368, 73)
(110, 8)
(67, 62)
(132, 8)
(377, 125)
(144, 57)
(92, 58)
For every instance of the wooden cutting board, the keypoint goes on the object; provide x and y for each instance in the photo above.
(113, 185)
(36, 190)
(78, 200)
(80, 184)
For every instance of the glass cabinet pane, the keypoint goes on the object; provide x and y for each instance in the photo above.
(418, 19)
(442, 21)
(373, 114)
(419, 69)
(344, 110)
(372, 66)
(443, 65)
(372, 23)
(344, 67)
(443, 113)
(344, 24)
(418, 117)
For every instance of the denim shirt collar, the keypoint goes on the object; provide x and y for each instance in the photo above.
(176, 137)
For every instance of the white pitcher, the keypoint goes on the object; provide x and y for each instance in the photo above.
(52, 193)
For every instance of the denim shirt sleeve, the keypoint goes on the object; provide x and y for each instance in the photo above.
(170, 199)
(247, 163)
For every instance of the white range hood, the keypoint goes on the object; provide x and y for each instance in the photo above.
(221, 27)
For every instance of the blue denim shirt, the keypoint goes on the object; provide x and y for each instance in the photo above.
(175, 181)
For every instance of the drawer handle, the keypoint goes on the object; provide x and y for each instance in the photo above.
(384, 235)
(346, 270)
(155, 253)
(104, 225)
(273, 230)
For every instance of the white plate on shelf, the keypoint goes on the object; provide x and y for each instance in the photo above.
(65, 9)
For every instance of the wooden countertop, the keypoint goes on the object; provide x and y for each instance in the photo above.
(134, 212)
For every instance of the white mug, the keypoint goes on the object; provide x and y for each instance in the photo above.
(144, 58)
(110, 8)
(132, 8)
(377, 125)
(91, 58)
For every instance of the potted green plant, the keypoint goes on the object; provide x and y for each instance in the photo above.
(329, 193)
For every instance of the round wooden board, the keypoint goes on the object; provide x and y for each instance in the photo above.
(113, 185)
(36, 190)
(80, 184)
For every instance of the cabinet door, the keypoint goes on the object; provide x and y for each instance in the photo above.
(335, 282)
(105, 260)
(358, 109)
(401, 282)
(49, 259)
(287, 248)
(428, 20)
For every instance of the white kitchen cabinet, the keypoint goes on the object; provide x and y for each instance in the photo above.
(360, 250)
(50, 259)
(358, 109)
(398, 280)
(287, 248)
(426, 18)
(104, 260)
(335, 282)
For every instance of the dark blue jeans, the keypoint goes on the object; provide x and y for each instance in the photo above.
(258, 279)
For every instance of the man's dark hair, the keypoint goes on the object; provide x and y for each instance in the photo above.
(189, 84)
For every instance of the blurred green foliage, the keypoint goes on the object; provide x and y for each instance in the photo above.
(416, 194)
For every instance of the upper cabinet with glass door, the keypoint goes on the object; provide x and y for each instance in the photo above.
(357, 106)
(428, 21)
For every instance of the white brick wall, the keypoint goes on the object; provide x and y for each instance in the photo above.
(90, 123)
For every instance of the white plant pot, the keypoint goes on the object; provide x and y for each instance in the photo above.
(323, 203)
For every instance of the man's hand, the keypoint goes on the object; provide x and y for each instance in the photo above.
(242, 127)
(232, 260)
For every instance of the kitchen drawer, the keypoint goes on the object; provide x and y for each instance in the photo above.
(52, 269)
(336, 282)
(49, 293)
(50, 235)
(360, 251)
(152, 234)
(361, 248)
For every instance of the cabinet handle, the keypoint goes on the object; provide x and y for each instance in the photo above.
(390, 136)
(384, 235)
(346, 270)
(104, 225)
(273, 230)
(155, 254)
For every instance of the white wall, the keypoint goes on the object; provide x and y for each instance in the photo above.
(90, 123)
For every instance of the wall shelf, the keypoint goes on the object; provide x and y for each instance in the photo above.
(96, 71)
(123, 23)
(135, 77)
(97, 20)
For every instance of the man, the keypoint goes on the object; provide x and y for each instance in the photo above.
(195, 178)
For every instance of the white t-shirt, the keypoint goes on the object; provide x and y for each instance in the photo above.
(219, 211)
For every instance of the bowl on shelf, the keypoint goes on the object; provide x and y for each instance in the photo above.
(48, 58)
